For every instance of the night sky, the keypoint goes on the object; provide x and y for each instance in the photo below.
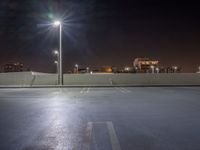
(100, 32)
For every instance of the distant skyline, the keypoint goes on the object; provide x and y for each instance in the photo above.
(100, 32)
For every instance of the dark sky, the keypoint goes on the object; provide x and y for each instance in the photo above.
(100, 32)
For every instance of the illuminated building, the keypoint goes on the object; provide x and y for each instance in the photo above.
(144, 65)
(106, 69)
(13, 67)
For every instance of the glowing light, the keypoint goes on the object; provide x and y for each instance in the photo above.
(127, 69)
(157, 69)
(175, 67)
(55, 52)
(152, 67)
(57, 23)
(76, 65)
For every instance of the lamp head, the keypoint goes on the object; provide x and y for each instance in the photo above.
(55, 52)
(57, 23)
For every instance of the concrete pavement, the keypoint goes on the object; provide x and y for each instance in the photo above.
(138, 118)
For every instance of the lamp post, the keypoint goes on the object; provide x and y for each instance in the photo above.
(60, 73)
(56, 62)
(157, 70)
(87, 69)
(76, 67)
(175, 69)
(56, 53)
(152, 68)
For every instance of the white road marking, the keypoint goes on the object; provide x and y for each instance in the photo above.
(88, 137)
(82, 90)
(85, 90)
(113, 137)
(118, 89)
(128, 91)
(88, 89)
(56, 92)
(123, 90)
(111, 131)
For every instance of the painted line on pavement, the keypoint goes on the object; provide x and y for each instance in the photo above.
(121, 90)
(113, 137)
(82, 90)
(128, 91)
(111, 131)
(88, 137)
(88, 90)
(85, 90)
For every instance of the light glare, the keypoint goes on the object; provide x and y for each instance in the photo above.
(56, 52)
(57, 23)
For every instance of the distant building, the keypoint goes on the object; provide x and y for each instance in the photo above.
(13, 67)
(81, 70)
(173, 69)
(106, 69)
(145, 65)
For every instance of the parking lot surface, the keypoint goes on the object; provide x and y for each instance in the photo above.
(120, 118)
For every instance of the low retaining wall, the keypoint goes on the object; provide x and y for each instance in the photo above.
(30, 79)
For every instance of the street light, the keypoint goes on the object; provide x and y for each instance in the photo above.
(87, 69)
(56, 63)
(127, 69)
(57, 23)
(136, 69)
(76, 67)
(157, 70)
(55, 52)
(60, 75)
(175, 68)
(152, 68)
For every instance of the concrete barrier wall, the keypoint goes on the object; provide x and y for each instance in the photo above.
(158, 79)
(16, 79)
(87, 79)
(27, 79)
(44, 79)
(24, 79)
(133, 79)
